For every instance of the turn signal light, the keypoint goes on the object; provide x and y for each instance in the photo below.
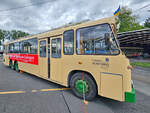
(79, 62)
(130, 67)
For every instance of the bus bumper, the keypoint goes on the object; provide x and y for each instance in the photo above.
(130, 96)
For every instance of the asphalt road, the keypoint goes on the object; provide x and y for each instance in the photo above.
(58, 101)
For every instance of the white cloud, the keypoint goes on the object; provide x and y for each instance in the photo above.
(55, 13)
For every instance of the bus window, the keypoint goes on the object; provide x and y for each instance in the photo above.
(56, 48)
(24, 46)
(11, 48)
(68, 42)
(43, 48)
(21, 46)
(16, 47)
(90, 40)
(32, 49)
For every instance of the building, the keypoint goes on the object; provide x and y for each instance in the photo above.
(138, 38)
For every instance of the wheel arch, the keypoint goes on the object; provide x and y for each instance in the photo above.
(76, 71)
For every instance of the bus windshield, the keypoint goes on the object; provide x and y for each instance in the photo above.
(90, 40)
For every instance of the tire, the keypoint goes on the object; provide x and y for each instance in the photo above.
(76, 84)
(11, 65)
(16, 67)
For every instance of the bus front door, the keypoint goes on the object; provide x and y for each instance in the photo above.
(43, 58)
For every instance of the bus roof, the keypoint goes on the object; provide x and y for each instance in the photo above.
(59, 31)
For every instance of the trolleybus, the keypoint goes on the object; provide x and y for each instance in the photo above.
(65, 55)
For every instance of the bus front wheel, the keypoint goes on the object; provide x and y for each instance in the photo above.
(83, 85)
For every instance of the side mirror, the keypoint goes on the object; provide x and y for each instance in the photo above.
(108, 40)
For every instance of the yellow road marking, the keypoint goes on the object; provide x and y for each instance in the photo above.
(57, 89)
(33, 91)
(12, 92)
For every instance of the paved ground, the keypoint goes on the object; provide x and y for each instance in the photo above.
(60, 101)
(141, 77)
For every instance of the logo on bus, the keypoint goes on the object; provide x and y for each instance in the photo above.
(25, 58)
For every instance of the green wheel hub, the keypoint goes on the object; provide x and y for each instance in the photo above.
(79, 86)
(11, 65)
(16, 67)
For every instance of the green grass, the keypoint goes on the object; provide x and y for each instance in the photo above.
(141, 64)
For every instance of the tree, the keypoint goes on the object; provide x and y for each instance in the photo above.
(2, 35)
(128, 22)
(11, 34)
(147, 22)
(18, 34)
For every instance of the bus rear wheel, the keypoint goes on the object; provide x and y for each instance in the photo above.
(86, 86)
(11, 65)
(16, 67)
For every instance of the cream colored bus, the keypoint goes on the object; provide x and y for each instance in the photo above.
(68, 54)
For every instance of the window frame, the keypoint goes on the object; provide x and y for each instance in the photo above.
(73, 42)
(96, 54)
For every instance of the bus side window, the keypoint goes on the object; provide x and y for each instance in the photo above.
(43, 48)
(22, 46)
(68, 44)
(11, 48)
(32, 46)
(16, 47)
(56, 48)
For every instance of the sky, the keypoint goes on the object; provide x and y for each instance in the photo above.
(42, 15)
